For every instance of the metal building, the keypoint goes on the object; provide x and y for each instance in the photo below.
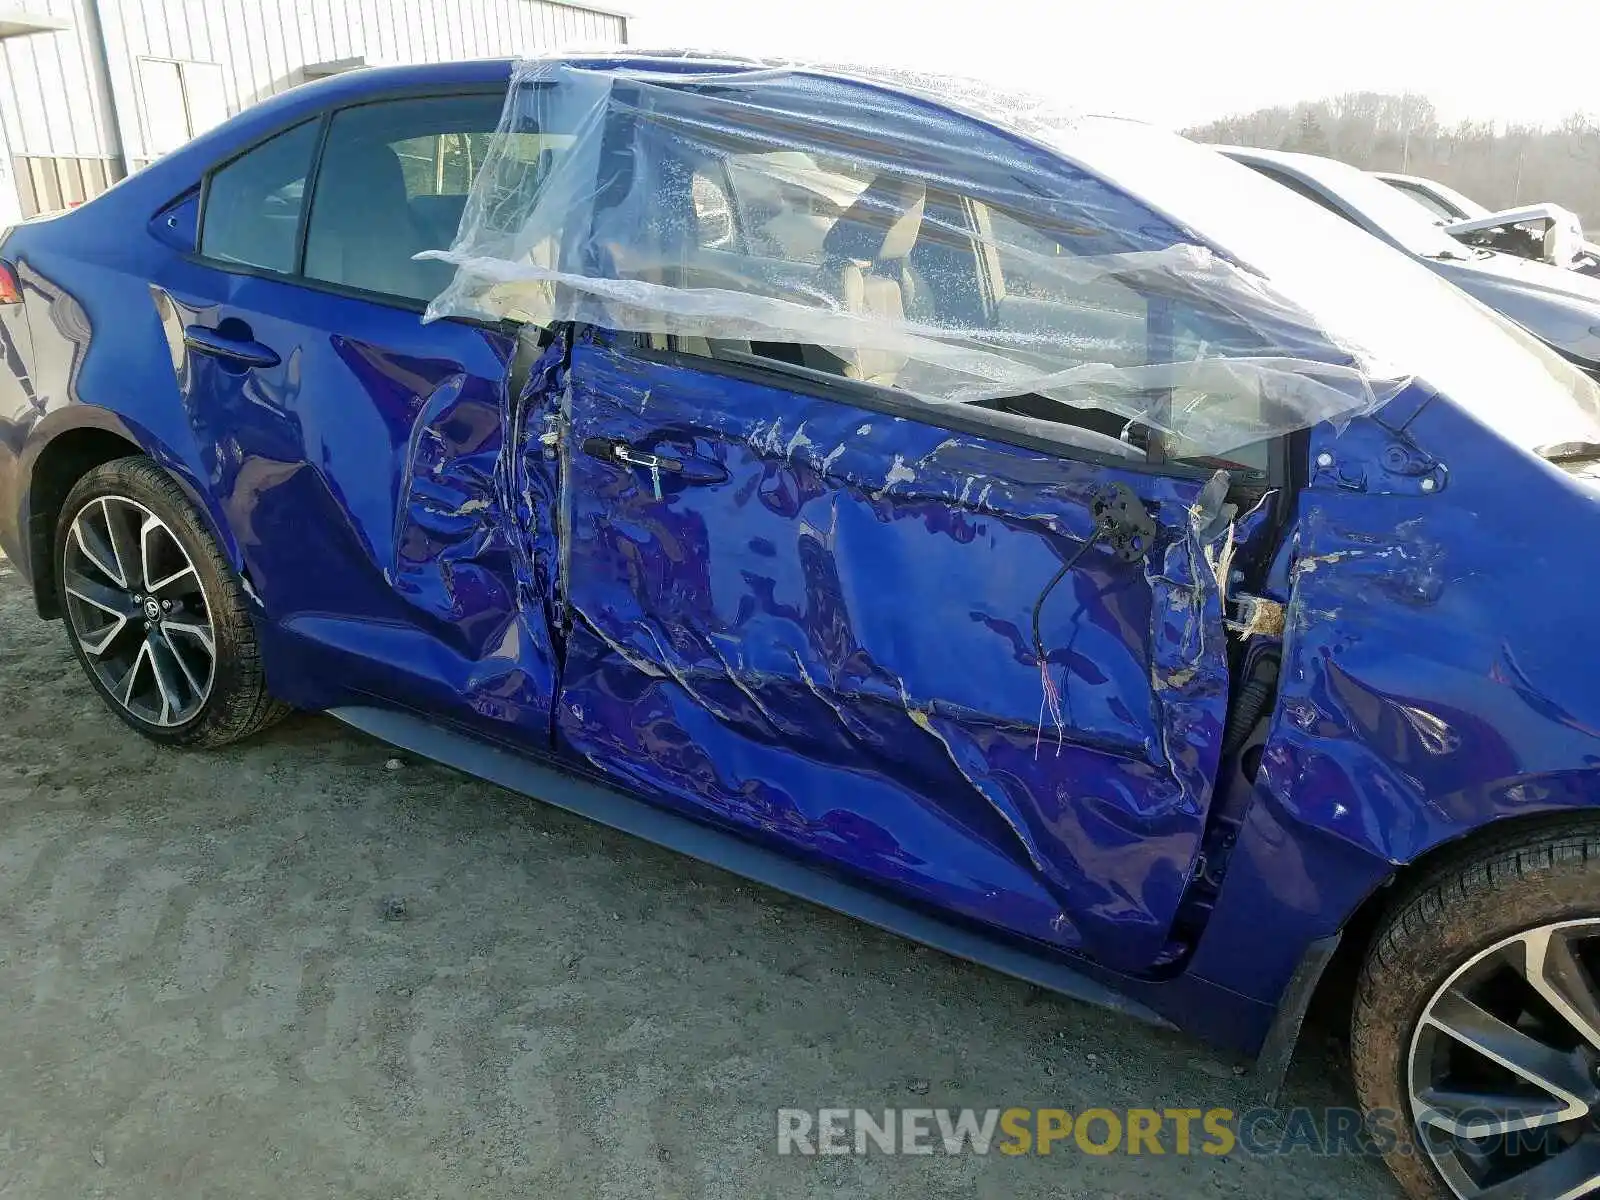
(93, 89)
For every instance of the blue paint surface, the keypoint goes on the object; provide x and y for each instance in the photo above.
(828, 642)
(1436, 673)
(818, 636)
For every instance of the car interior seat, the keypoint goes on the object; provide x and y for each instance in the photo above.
(865, 268)
(362, 233)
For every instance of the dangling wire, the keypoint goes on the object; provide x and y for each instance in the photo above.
(1050, 695)
(1050, 699)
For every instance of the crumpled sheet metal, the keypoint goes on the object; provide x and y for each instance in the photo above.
(376, 530)
(764, 204)
(473, 552)
(1434, 676)
(825, 642)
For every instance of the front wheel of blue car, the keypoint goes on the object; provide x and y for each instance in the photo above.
(154, 612)
(1475, 1038)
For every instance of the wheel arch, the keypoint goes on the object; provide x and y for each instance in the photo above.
(1335, 990)
(1323, 986)
(63, 449)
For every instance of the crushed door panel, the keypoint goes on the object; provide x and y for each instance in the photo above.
(812, 621)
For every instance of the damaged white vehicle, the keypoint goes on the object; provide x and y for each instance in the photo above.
(1543, 232)
(1559, 307)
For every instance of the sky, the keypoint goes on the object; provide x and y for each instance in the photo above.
(1184, 63)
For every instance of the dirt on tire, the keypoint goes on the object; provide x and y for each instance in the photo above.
(1523, 879)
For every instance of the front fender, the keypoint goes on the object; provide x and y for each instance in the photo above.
(1436, 674)
(1436, 680)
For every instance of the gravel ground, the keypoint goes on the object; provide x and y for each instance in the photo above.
(287, 969)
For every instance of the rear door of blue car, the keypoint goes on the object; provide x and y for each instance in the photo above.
(812, 608)
(354, 449)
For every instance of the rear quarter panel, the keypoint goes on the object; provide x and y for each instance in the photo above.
(98, 355)
(18, 404)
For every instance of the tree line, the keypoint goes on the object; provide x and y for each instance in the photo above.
(1378, 131)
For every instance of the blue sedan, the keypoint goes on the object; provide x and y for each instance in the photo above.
(1006, 526)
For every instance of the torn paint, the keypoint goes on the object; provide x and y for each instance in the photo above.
(1424, 690)
(380, 532)
(898, 473)
(880, 713)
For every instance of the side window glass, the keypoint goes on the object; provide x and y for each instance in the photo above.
(439, 164)
(889, 249)
(1302, 189)
(916, 262)
(253, 204)
(788, 200)
(1239, 407)
(792, 222)
(713, 214)
(394, 182)
(1427, 199)
(1036, 291)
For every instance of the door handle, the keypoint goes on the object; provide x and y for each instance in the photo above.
(244, 351)
(689, 471)
(617, 450)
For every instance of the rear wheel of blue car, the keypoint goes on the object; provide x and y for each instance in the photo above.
(154, 612)
(1475, 1038)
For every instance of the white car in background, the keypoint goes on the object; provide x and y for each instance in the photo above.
(1546, 232)
(1558, 306)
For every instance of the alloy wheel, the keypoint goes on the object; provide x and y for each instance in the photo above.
(1504, 1071)
(139, 611)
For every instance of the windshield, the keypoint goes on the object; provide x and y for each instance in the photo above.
(1403, 317)
(1448, 203)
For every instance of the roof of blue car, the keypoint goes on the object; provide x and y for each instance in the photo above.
(495, 70)
(351, 86)
(990, 103)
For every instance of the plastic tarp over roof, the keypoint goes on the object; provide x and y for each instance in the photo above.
(947, 240)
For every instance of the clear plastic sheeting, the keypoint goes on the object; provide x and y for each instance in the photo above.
(957, 250)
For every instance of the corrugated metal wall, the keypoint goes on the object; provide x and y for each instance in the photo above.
(263, 44)
(47, 87)
(55, 119)
(52, 112)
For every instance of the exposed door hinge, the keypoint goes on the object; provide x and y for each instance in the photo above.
(1253, 615)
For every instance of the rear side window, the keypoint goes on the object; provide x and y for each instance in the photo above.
(253, 205)
(1427, 199)
(1301, 188)
(394, 182)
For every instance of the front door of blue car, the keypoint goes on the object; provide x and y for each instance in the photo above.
(355, 449)
(811, 616)
(901, 640)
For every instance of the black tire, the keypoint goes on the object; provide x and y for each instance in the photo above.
(1507, 887)
(237, 704)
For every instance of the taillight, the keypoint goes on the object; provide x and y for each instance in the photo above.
(10, 289)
